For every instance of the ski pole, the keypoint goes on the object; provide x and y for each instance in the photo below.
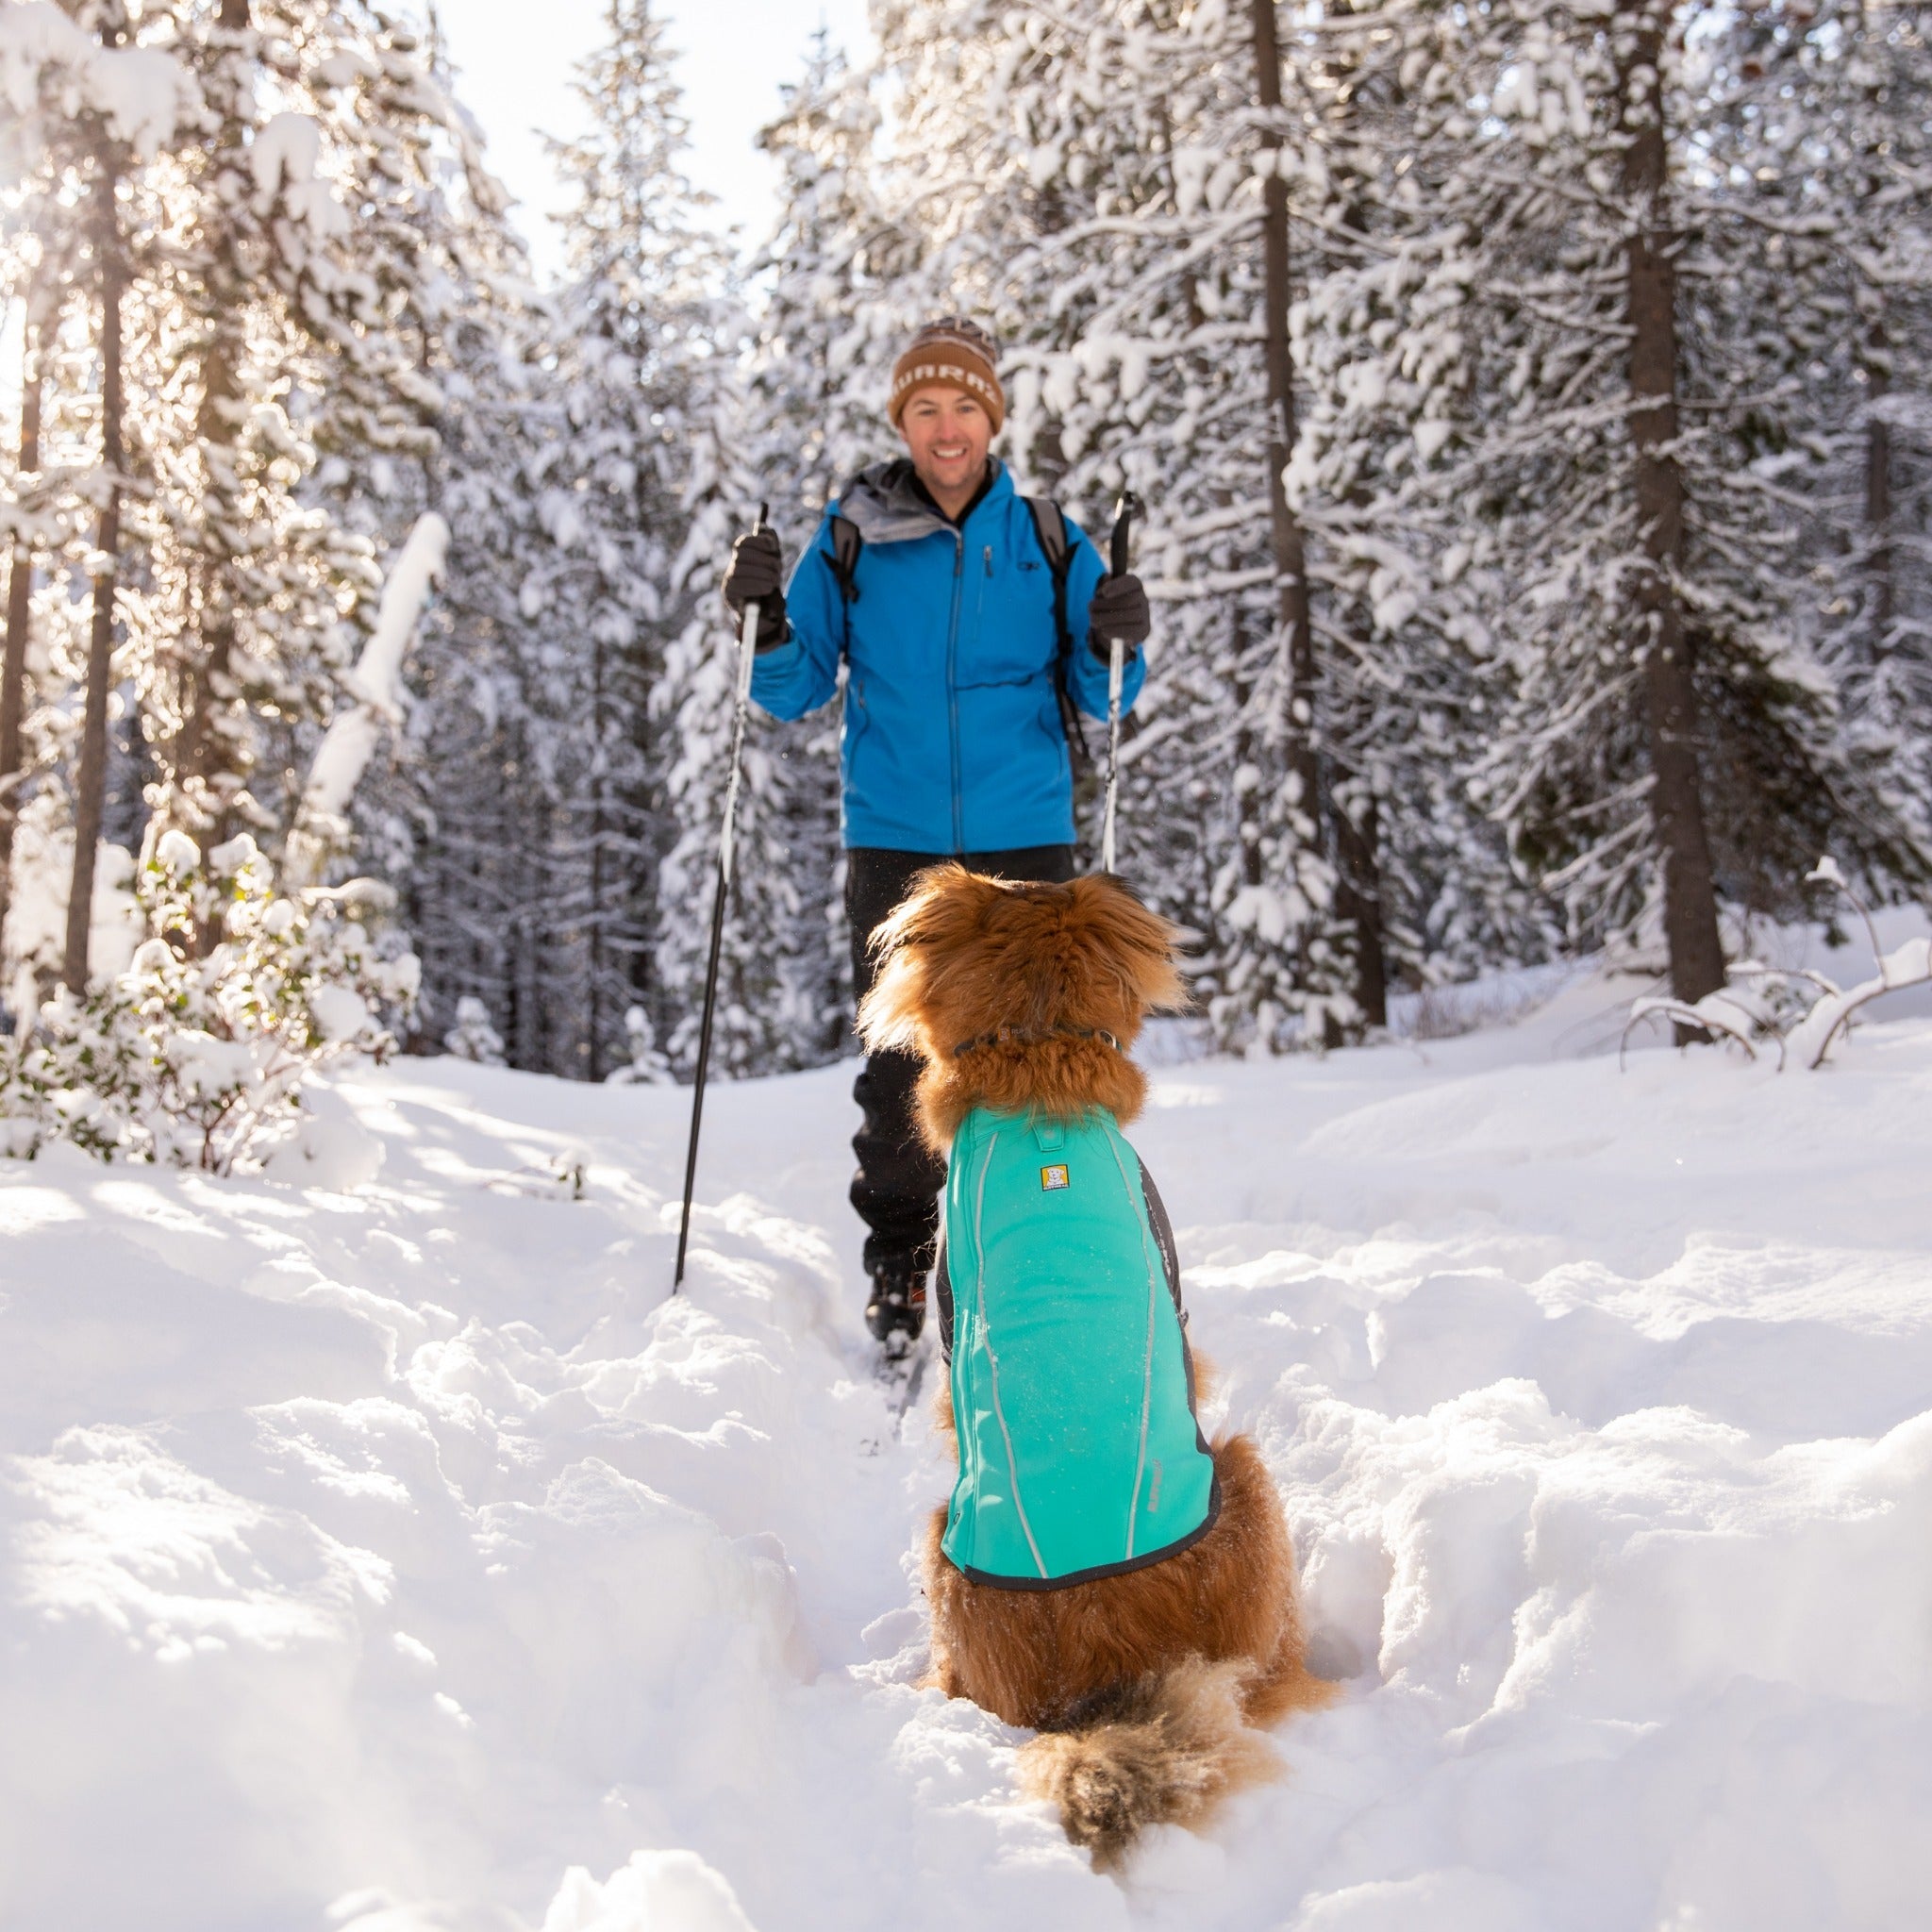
(1125, 511)
(747, 649)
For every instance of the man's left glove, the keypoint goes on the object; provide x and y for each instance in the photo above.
(757, 575)
(1118, 609)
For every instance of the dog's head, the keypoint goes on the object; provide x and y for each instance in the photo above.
(1019, 996)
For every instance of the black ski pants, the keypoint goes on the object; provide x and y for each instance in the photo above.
(896, 1189)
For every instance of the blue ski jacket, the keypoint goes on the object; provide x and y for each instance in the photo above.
(953, 738)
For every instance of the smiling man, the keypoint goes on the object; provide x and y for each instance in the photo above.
(972, 622)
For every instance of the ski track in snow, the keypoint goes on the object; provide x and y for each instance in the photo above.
(400, 1558)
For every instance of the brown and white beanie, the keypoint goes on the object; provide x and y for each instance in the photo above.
(953, 351)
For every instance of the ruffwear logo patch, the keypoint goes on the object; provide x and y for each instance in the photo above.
(1052, 1177)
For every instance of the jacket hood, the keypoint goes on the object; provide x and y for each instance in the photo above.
(885, 503)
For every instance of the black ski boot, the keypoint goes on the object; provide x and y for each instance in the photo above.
(896, 1311)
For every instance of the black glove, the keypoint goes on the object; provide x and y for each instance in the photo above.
(757, 575)
(1118, 609)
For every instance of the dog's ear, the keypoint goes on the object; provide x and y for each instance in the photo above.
(945, 910)
(1137, 944)
(888, 1014)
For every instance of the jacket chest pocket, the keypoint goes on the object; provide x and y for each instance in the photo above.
(1008, 636)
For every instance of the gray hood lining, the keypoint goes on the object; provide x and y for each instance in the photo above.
(884, 505)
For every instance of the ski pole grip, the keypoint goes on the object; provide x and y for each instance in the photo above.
(748, 621)
(1125, 511)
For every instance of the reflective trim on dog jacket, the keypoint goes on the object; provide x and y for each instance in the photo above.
(1072, 1388)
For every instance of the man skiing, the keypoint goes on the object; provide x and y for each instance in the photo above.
(972, 622)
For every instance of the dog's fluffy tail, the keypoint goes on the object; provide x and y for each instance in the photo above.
(1164, 1750)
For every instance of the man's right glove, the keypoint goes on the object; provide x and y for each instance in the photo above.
(757, 575)
(1118, 609)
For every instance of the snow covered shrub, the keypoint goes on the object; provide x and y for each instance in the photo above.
(1803, 1012)
(570, 1167)
(34, 937)
(1830, 1015)
(648, 1067)
(473, 1038)
(196, 1054)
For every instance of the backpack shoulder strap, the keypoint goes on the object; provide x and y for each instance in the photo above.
(848, 539)
(1050, 526)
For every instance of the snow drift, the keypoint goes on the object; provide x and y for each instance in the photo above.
(385, 1550)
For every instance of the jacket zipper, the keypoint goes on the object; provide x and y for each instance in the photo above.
(953, 688)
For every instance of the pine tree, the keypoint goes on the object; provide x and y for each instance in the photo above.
(650, 321)
(1408, 681)
(769, 1011)
(521, 812)
(269, 392)
(1818, 130)
(249, 308)
(827, 326)
(463, 819)
(1670, 737)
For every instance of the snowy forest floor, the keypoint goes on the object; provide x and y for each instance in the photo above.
(396, 1557)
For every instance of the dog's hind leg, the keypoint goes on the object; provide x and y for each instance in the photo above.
(997, 1648)
(942, 1602)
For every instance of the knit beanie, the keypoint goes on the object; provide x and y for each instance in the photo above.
(953, 351)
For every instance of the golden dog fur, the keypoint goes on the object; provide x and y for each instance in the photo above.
(1145, 1685)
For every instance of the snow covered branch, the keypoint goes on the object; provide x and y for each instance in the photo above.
(142, 94)
(377, 687)
(1830, 1017)
(1803, 1012)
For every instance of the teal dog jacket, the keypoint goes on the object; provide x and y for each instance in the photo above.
(1073, 1387)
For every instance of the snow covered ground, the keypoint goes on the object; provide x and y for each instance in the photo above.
(385, 1551)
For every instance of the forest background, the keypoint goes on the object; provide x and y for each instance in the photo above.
(1530, 402)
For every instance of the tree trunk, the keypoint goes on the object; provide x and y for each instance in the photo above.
(90, 784)
(1294, 614)
(1291, 559)
(19, 602)
(1358, 900)
(1247, 807)
(1881, 604)
(1878, 561)
(599, 832)
(1691, 930)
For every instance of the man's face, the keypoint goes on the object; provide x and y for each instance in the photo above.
(947, 433)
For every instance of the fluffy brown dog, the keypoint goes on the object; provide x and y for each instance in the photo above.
(1024, 998)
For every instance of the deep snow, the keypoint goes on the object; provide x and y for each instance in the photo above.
(386, 1551)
